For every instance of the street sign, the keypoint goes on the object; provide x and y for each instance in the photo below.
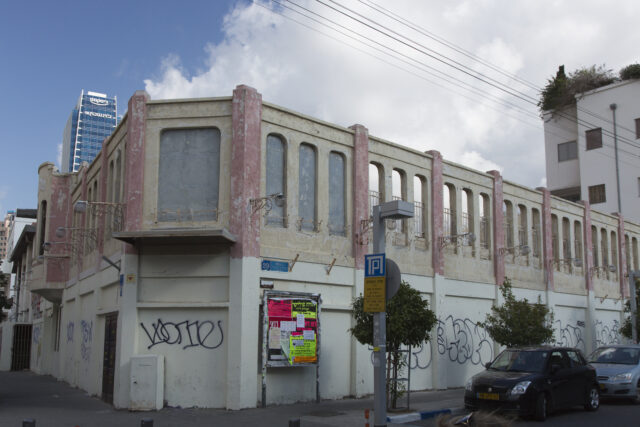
(375, 265)
(374, 294)
(271, 265)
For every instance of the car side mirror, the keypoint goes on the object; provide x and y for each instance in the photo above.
(555, 368)
(487, 365)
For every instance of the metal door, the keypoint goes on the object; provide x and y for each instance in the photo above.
(21, 350)
(109, 358)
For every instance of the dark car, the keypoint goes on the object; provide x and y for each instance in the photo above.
(533, 381)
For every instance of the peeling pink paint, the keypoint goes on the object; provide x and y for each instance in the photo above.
(437, 206)
(360, 191)
(547, 242)
(588, 245)
(498, 227)
(83, 216)
(622, 258)
(245, 170)
(57, 269)
(134, 158)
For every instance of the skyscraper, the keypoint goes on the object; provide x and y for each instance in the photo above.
(93, 119)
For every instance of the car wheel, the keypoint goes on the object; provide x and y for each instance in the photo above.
(593, 399)
(541, 407)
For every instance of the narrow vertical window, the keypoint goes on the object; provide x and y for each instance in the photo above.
(535, 232)
(307, 189)
(554, 240)
(449, 210)
(634, 249)
(566, 239)
(275, 179)
(614, 251)
(507, 210)
(336, 194)
(604, 246)
(189, 175)
(375, 184)
(577, 236)
(398, 185)
(523, 237)
(594, 246)
(419, 207)
(485, 221)
(467, 215)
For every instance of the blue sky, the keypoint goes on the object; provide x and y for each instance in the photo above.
(50, 51)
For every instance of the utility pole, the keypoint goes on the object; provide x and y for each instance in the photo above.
(397, 209)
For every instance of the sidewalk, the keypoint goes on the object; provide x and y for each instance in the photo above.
(54, 403)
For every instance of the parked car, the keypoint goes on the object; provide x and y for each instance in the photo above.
(618, 371)
(533, 381)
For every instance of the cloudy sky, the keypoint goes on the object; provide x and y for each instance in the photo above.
(461, 77)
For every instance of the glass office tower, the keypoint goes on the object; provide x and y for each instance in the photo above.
(92, 120)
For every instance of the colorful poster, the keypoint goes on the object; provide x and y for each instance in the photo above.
(292, 334)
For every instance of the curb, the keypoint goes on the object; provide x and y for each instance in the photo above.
(423, 415)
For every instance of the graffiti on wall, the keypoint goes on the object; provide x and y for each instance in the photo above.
(188, 334)
(460, 340)
(86, 329)
(607, 334)
(569, 335)
(70, 327)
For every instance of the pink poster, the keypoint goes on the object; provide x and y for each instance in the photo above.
(279, 308)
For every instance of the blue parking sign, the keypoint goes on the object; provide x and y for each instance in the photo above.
(374, 265)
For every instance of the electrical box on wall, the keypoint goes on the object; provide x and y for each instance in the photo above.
(147, 382)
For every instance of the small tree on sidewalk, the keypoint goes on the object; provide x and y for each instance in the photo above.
(409, 321)
(518, 323)
(626, 325)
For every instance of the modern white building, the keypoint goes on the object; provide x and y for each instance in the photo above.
(593, 147)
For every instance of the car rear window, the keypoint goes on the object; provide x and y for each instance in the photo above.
(616, 355)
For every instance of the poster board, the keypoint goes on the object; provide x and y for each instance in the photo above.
(290, 333)
(292, 325)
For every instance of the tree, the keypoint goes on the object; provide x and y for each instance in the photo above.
(518, 323)
(631, 71)
(626, 325)
(409, 321)
(561, 91)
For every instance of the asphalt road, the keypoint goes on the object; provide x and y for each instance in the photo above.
(610, 413)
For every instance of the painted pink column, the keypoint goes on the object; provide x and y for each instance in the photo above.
(588, 245)
(57, 209)
(437, 212)
(246, 115)
(83, 219)
(104, 172)
(360, 191)
(134, 158)
(498, 227)
(547, 241)
(622, 258)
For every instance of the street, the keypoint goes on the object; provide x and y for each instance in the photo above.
(620, 413)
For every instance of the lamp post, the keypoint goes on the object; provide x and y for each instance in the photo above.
(397, 209)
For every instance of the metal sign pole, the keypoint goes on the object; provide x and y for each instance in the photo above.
(379, 336)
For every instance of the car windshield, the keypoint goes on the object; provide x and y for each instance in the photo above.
(520, 361)
(617, 355)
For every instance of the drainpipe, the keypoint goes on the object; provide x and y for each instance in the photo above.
(615, 145)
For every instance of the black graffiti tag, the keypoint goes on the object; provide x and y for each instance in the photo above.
(194, 333)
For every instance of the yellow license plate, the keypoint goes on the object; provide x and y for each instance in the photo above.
(489, 396)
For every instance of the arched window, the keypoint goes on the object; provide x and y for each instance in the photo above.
(399, 191)
(449, 210)
(337, 194)
(484, 212)
(376, 185)
(307, 210)
(276, 178)
(507, 211)
(419, 203)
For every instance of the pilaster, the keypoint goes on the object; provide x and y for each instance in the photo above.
(498, 227)
(437, 206)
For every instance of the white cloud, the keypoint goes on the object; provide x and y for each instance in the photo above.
(308, 72)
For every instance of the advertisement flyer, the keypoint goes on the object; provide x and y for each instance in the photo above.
(293, 330)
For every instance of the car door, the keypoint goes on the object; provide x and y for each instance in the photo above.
(580, 377)
(559, 378)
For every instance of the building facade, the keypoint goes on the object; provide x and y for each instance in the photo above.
(592, 149)
(5, 228)
(93, 119)
(164, 246)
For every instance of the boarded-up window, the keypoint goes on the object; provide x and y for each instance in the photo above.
(275, 178)
(597, 194)
(189, 175)
(336, 194)
(307, 189)
(594, 138)
(637, 128)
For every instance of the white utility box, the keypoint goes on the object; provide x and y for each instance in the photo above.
(147, 382)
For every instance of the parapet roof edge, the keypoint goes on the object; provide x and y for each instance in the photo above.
(308, 117)
(605, 88)
(185, 100)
